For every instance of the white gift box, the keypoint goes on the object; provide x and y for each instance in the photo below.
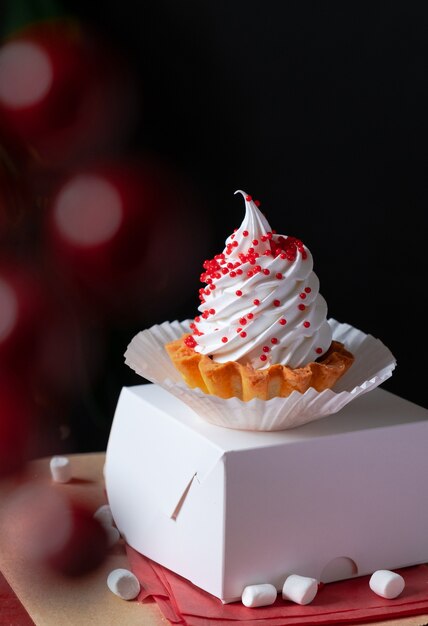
(339, 497)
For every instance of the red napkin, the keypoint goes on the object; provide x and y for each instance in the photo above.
(11, 610)
(344, 602)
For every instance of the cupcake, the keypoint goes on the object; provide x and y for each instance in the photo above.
(262, 329)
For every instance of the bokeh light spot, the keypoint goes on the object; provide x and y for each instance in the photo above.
(88, 211)
(8, 310)
(25, 74)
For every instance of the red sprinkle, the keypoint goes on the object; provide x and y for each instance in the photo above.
(279, 275)
(306, 324)
(238, 292)
(301, 307)
(282, 321)
(238, 330)
(224, 339)
(255, 242)
(318, 350)
(256, 302)
(266, 272)
(245, 233)
(274, 340)
(248, 198)
(212, 311)
(266, 349)
(190, 341)
(263, 357)
(308, 290)
(243, 321)
(302, 295)
(250, 316)
(243, 334)
(277, 303)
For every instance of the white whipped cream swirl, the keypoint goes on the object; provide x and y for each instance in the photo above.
(261, 304)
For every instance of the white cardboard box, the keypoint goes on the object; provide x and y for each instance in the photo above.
(340, 497)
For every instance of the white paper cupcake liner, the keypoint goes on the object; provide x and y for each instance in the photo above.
(373, 364)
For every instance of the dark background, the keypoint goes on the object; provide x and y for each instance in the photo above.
(319, 110)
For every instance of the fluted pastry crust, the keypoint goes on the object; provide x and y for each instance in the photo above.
(232, 379)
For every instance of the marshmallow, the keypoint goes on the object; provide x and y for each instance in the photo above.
(300, 589)
(104, 516)
(123, 583)
(113, 535)
(60, 469)
(386, 584)
(259, 595)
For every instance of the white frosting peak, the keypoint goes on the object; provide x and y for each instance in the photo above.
(261, 303)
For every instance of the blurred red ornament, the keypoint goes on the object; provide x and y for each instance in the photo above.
(85, 547)
(64, 93)
(99, 225)
(46, 527)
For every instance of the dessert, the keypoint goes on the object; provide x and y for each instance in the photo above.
(262, 331)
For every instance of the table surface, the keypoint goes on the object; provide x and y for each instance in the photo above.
(51, 600)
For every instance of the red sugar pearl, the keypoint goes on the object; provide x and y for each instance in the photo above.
(279, 276)
(245, 233)
(282, 321)
(302, 295)
(212, 287)
(308, 290)
(306, 324)
(277, 303)
(274, 340)
(238, 330)
(255, 242)
(266, 272)
(257, 202)
(263, 357)
(232, 274)
(256, 302)
(301, 307)
(235, 244)
(239, 272)
(190, 342)
(266, 349)
(212, 311)
(238, 292)
(318, 350)
(224, 339)
(248, 198)
(243, 334)
(243, 321)
(250, 273)
(250, 316)
(268, 253)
